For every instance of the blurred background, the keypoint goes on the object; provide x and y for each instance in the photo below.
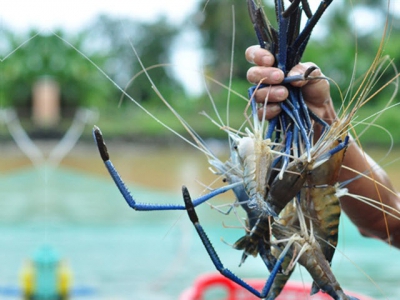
(63, 69)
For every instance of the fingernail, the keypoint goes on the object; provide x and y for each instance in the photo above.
(251, 56)
(274, 108)
(281, 93)
(267, 61)
(277, 76)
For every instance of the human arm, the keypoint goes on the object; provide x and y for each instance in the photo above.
(375, 185)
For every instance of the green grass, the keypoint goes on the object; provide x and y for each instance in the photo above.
(128, 122)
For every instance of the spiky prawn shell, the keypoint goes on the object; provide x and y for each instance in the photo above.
(320, 197)
(328, 171)
(255, 156)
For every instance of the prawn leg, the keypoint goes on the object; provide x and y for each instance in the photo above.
(216, 260)
(147, 206)
(287, 217)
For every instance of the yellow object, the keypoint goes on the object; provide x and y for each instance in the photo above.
(64, 279)
(27, 278)
(46, 276)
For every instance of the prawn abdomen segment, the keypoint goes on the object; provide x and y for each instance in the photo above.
(256, 157)
(324, 210)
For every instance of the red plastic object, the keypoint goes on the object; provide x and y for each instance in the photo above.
(292, 290)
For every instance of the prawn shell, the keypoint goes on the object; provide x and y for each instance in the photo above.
(324, 210)
(328, 172)
(312, 259)
(281, 191)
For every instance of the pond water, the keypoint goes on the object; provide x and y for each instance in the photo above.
(123, 254)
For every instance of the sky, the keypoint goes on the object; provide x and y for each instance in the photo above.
(72, 15)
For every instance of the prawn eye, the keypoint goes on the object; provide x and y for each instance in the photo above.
(234, 146)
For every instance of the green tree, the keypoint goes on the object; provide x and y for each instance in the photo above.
(215, 23)
(153, 43)
(33, 56)
(108, 43)
(345, 52)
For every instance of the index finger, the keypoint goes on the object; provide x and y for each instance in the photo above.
(259, 56)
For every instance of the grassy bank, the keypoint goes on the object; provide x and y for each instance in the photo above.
(132, 123)
(128, 122)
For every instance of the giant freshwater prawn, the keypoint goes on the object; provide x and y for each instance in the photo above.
(266, 157)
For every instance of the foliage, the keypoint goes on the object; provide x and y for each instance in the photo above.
(215, 22)
(335, 47)
(119, 38)
(345, 53)
(107, 42)
(35, 56)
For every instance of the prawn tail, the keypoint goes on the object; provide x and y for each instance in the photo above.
(256, 242)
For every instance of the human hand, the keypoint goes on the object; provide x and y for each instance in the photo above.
(316, 92)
